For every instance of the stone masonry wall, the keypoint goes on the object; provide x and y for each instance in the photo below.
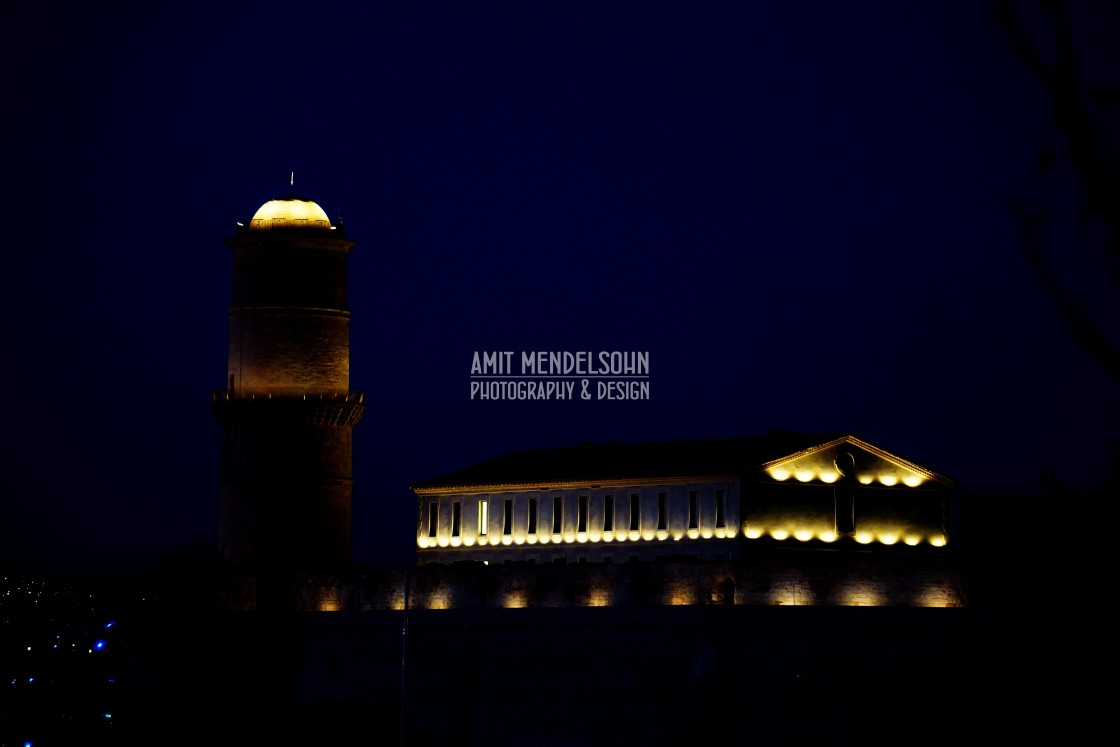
(809, 579)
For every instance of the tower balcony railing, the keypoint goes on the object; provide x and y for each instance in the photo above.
(282, 392)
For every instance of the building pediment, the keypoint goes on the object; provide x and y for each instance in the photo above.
(848, 458)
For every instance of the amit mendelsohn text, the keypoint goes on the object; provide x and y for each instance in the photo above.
(495, 374)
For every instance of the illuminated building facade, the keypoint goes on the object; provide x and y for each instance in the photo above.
(287, 412)
(676, 523)
(701, 500)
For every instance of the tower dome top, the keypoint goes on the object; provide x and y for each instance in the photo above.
(290, 211)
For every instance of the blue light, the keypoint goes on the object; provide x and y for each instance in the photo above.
(110, 624)
(108, 715)
(99, 645)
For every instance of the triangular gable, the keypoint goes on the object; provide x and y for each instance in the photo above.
(872, 465)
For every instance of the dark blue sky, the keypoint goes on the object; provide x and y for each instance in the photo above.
(798, 209)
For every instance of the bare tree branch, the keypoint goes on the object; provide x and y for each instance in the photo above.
(1098, 176)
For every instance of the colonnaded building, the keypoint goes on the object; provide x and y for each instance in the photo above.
(783, 588)
(694, 499)
(721, 502)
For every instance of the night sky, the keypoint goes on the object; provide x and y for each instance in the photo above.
(799, 210)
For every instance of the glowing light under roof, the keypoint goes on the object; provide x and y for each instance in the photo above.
(290, 212)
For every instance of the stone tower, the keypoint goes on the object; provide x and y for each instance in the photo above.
(287, 412)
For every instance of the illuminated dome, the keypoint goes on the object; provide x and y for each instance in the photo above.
(290, 211)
